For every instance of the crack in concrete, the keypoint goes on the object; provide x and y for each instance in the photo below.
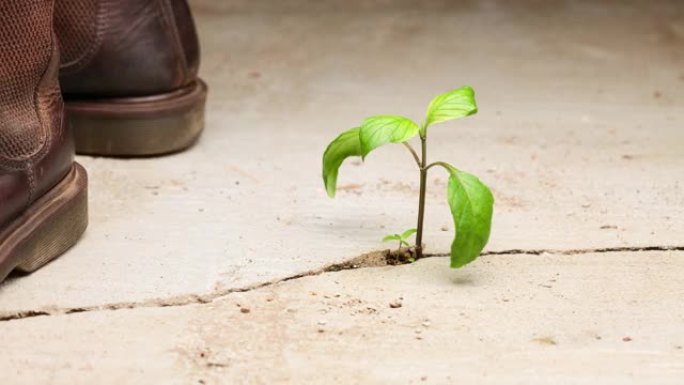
(586, 251)
(351, 264)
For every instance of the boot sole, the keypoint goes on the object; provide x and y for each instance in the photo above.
(48, 228)
(140, 126)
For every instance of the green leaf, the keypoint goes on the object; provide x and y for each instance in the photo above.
(408, 233)
(379, 130)
(392, 237)
(472, 205)
(451, 105)
(344, 146)
(403, 243)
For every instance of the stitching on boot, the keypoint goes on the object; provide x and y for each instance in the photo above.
(53, 93)
(31, 176)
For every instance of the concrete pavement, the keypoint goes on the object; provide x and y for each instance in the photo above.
(579, 135)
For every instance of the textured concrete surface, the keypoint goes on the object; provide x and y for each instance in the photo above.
(579, 135)
(610, 318)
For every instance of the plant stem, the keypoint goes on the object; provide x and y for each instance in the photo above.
(413, 152)
(421, 199)
(433, 164)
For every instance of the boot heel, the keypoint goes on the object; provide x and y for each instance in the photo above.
(52, 225)
(140, 126)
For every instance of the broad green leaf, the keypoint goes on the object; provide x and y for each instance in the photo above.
(472, 204)
(344, 146)
(392, 237)
(451, 105)
(408, 233)
(379, 130)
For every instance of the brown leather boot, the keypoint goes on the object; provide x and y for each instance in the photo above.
(129, 75)
(43, 196)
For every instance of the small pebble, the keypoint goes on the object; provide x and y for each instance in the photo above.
(626, 339)
(426, 324)
(395, 304)
(322, 322)
(244, 310)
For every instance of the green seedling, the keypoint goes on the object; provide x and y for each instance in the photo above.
(402, 238)
(470, 201)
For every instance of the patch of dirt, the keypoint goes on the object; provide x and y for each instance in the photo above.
(508, 200)
(351, 188)
(376, 259)
(545, 341)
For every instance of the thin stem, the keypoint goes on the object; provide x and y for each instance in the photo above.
(413, 152)
(421, 199)
(433, 164)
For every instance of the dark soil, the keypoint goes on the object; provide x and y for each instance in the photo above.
(376, 259)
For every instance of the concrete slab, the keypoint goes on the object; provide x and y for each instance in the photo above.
(609, 318)
(579, 135)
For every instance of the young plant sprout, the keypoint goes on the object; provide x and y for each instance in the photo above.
(402, 238)
(470, 201)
